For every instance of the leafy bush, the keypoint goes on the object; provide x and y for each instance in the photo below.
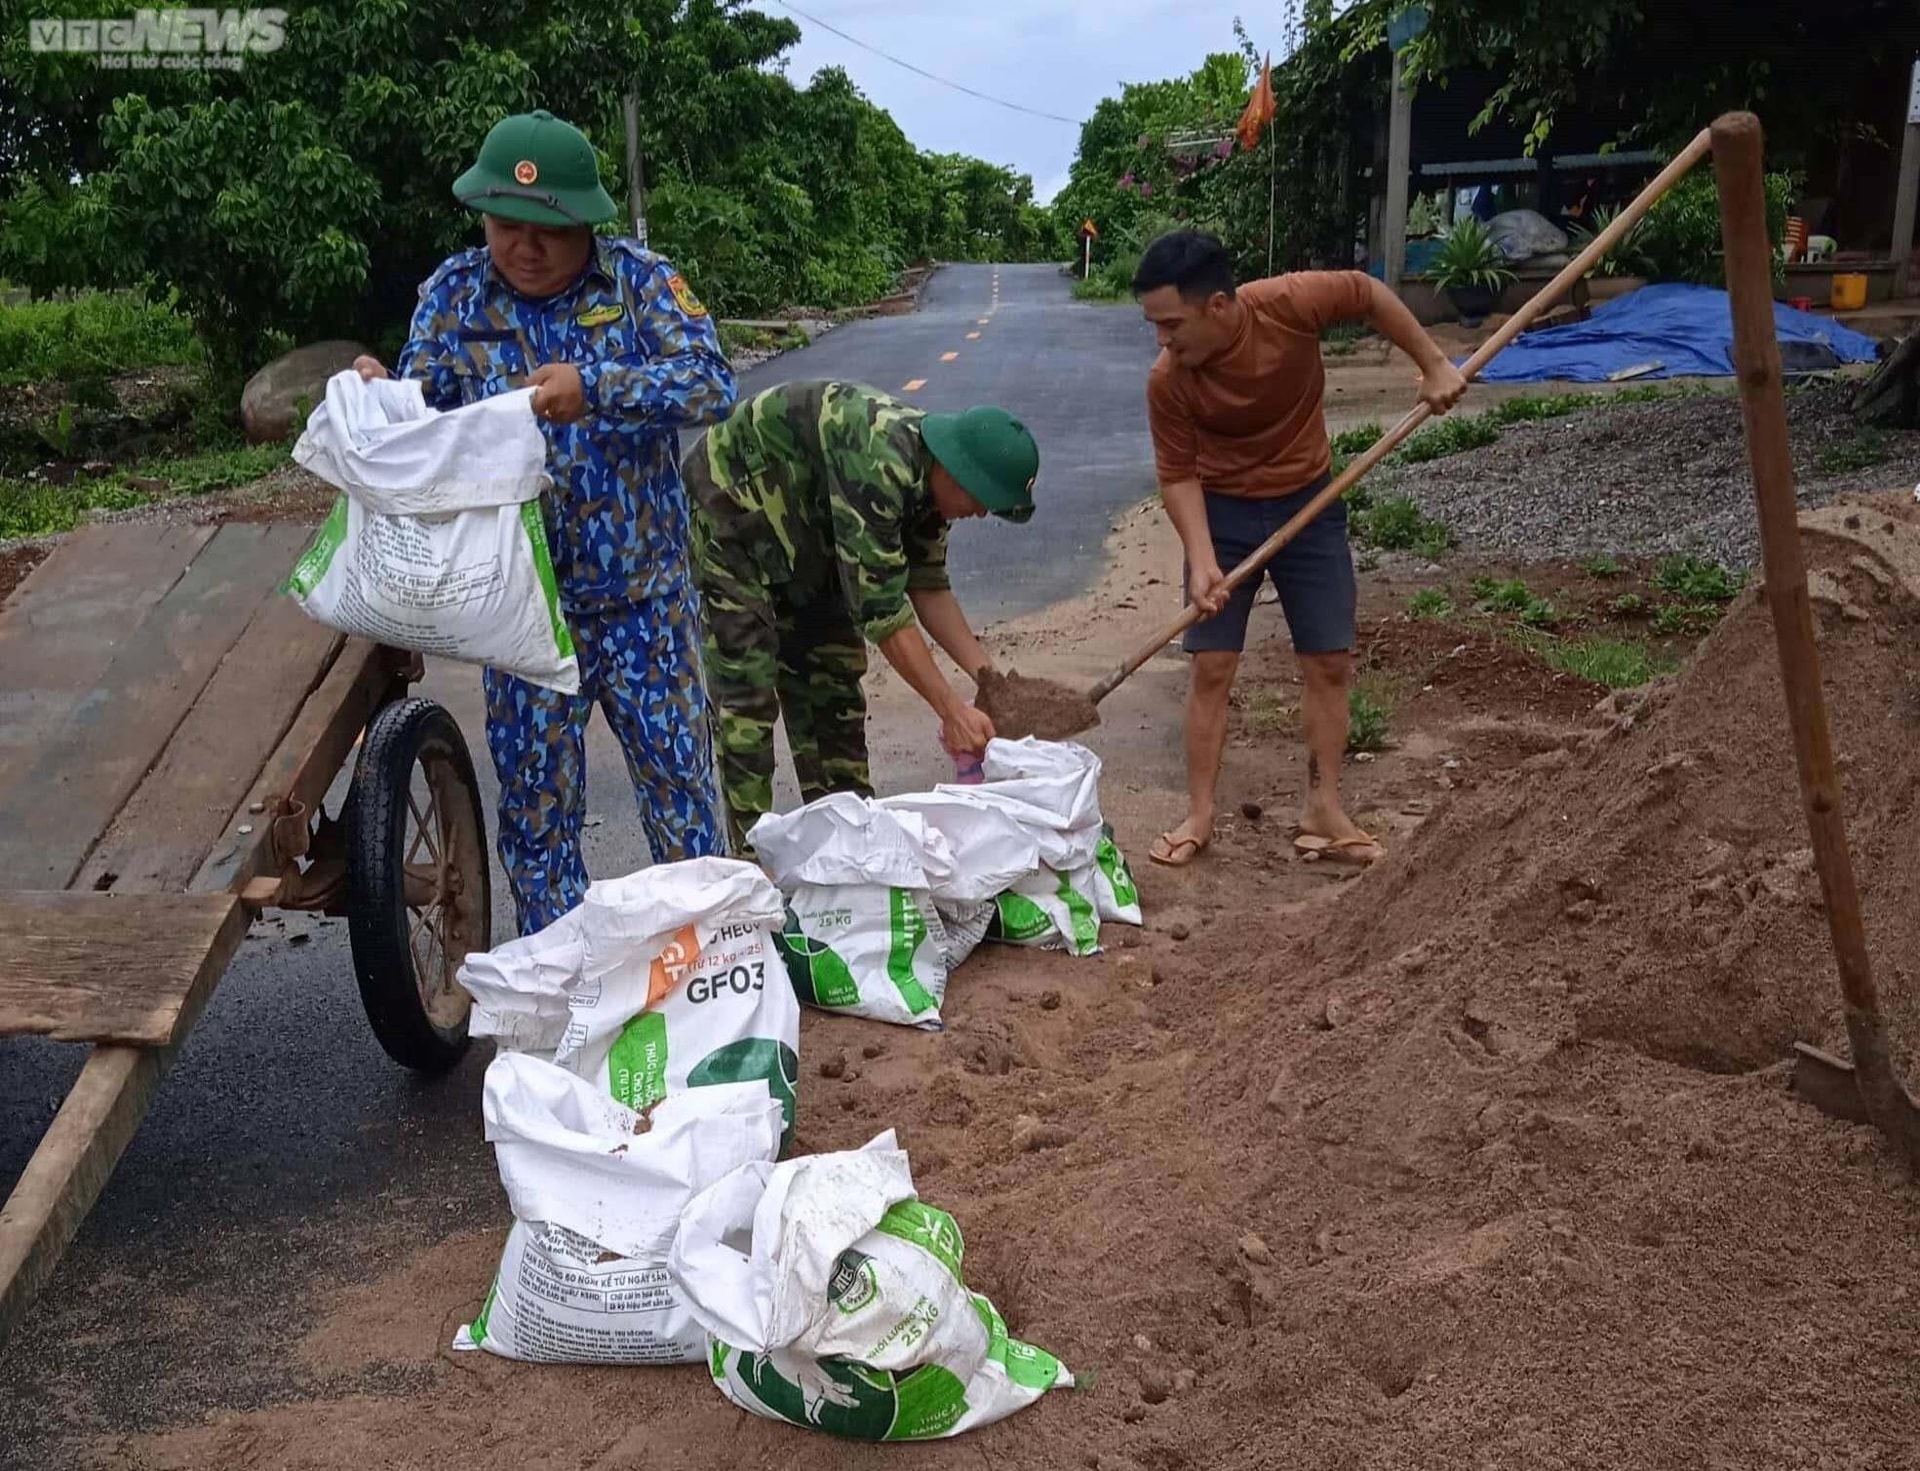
(1677, 619)
(90, 336)
(35, 508)
(1357, 440)
(1112, 278)
(1368, 722)
(1517, 598)
(1696, 580)
(1680, 237)
(1449, 436)
(1530, 408)
(1396, 524)
(1349, 444)
(1430, 602)
(1601, 567)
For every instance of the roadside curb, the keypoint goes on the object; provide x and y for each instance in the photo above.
(901, 302)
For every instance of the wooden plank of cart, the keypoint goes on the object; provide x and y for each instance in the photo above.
(170, 727)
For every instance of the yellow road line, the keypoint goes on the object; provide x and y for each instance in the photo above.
(947, 357)
(914, 385)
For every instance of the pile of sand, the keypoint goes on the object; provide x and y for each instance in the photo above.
(1489, 1162)
(1651, 881)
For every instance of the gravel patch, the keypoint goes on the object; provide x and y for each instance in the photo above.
(1642, 480)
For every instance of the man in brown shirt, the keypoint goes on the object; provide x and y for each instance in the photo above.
(1236, 403)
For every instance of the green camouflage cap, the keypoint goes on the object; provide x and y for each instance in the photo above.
(991, 454)
(537, 168)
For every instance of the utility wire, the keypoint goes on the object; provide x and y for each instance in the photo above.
(917, 71)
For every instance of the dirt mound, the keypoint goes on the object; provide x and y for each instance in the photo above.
(1484, 1158)
(1652, 881)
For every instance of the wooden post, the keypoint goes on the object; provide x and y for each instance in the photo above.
(1377, 195)
(1739, 163)
(636, 175)
(1399, 166)
(1908, 194)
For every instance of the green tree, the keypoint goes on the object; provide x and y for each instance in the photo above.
(309, 192)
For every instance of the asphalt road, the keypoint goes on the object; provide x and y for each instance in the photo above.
(285, 1153)
(1074, 374)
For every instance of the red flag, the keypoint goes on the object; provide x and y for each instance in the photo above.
(1260, 108)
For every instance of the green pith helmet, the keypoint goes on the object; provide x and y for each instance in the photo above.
(536, 168)
(991, 454)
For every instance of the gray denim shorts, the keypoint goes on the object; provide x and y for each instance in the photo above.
(1313, 573)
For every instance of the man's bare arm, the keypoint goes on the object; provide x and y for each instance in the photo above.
(1441, 384)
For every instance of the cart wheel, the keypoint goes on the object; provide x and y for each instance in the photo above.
(419, 899)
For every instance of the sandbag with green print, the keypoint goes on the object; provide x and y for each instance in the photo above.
(1052, 790)
(862, 935)
(664, 980)
(835, 1299)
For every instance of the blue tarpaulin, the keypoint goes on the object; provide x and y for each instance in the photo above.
(1687, 330)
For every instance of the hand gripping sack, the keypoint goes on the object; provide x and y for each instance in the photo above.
(437, 543)
(862, 935)
(665, 980)
(597, 1192)
(835, 1301)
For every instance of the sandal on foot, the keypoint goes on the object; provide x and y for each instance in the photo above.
(1361, 851)
(1171, 852)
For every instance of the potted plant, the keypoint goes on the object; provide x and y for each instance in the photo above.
(1471, 269)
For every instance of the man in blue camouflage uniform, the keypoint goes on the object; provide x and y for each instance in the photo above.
(621, 356)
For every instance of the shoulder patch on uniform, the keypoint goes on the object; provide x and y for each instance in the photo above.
(454, 270)
(683, 294)
(600, 316)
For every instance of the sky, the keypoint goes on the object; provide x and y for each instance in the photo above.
(1055, 56)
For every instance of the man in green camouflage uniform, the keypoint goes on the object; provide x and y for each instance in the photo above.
(820, 514)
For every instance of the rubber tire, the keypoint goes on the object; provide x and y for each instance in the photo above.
(377, 926)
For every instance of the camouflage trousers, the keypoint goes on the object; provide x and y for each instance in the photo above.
(641, 666)
(780, 651)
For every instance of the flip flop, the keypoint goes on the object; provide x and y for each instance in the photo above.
(1346, 850)
(1166, 849)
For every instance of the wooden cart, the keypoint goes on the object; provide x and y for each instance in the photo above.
(170, 727)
